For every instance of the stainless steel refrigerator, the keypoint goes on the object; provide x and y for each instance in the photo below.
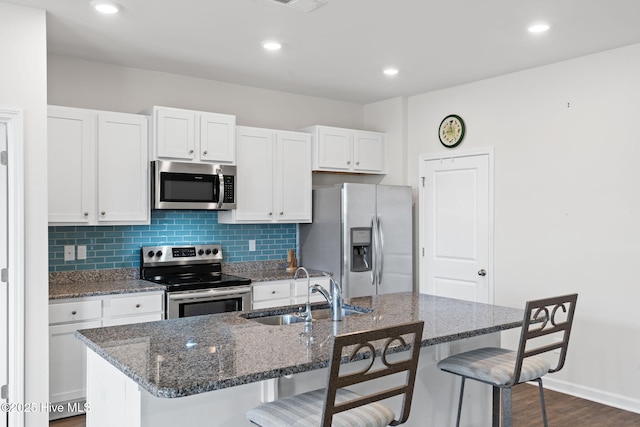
(362, 233)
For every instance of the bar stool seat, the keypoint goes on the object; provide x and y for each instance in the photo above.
(494, 366)
(304, 410)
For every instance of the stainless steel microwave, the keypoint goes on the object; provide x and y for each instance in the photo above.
(180, 185)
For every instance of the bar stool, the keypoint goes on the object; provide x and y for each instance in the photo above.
(338, 406)
(503, 368)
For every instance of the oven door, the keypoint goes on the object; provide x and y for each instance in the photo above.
(208, 301)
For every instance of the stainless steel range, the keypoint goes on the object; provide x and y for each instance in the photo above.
(194, 281)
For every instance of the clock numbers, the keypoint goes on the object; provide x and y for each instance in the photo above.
(451, 131)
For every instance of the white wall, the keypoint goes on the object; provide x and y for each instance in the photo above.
(88, 84)
(23, 86)
(567, 200)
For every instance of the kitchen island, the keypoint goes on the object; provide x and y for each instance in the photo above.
(208, 370)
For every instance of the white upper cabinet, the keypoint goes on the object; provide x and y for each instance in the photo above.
(273, 177)
(347, 150)
(97, 167)
(192, 136)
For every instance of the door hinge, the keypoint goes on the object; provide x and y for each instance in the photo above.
(4, 158)
(4, 392)
(4, 275)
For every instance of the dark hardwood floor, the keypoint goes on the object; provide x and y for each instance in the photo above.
(562, 411)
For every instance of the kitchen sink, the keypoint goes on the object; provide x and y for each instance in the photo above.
(291, 318)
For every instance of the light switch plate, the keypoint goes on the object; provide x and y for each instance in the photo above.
(252, 245)
(82, 252)
(69, 252)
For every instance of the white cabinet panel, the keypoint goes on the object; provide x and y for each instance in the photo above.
(67, 362)
(123, 171)
(272, 290)
(217, 137)
(134, 305)
(71, 156)
(193, 136)
(347, 150)
(75, 311)
(175, 133)
(97, 167)
(368, 151)
(273, 177)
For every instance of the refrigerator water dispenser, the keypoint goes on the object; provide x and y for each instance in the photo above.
(361, 249)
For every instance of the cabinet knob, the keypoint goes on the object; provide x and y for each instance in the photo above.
(190, 151)
(348, 162)
(137, 305)
(204, 153)
(357, 163)
(273, 292)
(281, 213)
(86, 214)
(74, 312)
(103, 213)
(270, 213)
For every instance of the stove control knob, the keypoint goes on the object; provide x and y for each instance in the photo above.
(200, 252)
(208, 251)
(151, 254)
(159, 254)
(215, 251)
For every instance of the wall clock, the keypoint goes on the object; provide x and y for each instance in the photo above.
(451, 131)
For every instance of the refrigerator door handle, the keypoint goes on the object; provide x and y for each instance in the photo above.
(374, 248)
(380, 250)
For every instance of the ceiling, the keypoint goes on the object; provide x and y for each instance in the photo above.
(339, 50)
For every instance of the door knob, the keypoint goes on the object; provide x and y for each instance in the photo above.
(482, 272)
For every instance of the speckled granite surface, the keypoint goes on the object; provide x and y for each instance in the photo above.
(78, 284)
(61, 290)
(181, 357)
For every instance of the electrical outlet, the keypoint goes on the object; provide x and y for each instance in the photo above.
(252, 245)
(82, 252)
(69, 252)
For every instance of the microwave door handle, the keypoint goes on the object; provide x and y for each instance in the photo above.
(220, 187)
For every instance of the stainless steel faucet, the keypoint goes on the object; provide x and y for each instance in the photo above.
(334, 300)
(307, 313)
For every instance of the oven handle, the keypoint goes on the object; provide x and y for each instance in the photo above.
(208, 293)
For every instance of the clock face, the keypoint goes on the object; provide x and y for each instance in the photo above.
(451, 131)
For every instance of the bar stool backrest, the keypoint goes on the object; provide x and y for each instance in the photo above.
(396, 339)
(543, 317)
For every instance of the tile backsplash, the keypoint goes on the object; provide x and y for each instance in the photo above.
(119, 246)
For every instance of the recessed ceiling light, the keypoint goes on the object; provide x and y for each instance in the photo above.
(390, 71)
(272, 45)
(105, 7)
(538, 28)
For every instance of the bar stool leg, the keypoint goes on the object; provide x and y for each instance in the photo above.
(544, 410)
(460, 402)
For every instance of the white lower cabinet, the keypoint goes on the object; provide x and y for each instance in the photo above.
(285, 292)
(67, 355)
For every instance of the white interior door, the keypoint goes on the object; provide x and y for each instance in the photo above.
(4, 297)
(456, 223)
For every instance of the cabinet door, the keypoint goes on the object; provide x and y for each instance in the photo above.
(334, 148)
(217, 138)
(67, 362)
(293, 177)
(175, 133)
(71, 165)
(123, 169)
(255, 175)
(368, 152)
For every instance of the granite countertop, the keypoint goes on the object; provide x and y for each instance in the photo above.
(280, 274)
(61, 290)
(181, 357)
